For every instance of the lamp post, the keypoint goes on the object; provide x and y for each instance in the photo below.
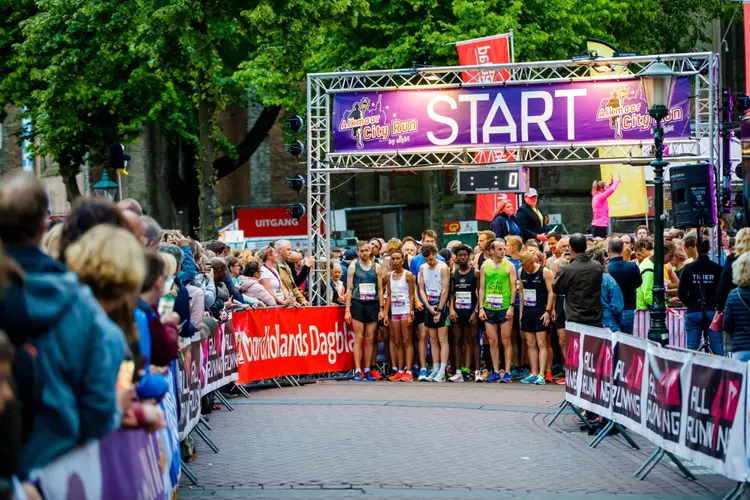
(105, 187)
(657, 82)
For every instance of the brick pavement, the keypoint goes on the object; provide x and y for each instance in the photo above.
(396, 440)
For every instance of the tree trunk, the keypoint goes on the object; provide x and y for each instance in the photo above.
(209, 205)
(252, 141)
(68, 172)
(437, 208)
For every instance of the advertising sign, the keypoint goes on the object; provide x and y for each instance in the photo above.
(269, 223)
(277, 342)
(488, 50)
(497, 116)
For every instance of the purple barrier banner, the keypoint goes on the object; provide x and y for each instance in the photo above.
(593, 111)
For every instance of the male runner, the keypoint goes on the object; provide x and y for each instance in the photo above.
(434, 285)
(429, 237)
(363, 307)
(483, 241)
(463, 306)
(535, 287)
(497, 284)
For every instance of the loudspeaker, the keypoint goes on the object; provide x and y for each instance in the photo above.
(693, 199)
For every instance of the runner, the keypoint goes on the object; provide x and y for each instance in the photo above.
(363, 308)
(496, 286)
(401, 290)
(429, 237)
(514, 244)
(559, 310)
(484, 240)
(535, 287)
(463, 305)
(434, 285)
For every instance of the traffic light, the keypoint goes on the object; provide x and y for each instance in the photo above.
(117, 157)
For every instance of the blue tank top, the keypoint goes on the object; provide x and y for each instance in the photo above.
(365, 283)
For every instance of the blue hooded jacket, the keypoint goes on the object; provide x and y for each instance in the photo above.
(79, 355)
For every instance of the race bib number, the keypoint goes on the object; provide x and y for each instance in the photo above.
(494, 301)
(367, 291)
(463, 300)
(529, 298)
(433, 296)
(279, 294)
(399, 299)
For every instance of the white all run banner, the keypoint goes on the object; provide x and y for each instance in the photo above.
(689, 403)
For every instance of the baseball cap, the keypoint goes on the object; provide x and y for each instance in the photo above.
(531, 192)
(350, 254)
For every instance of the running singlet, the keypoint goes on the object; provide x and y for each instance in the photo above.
(464, 291)
(433, 283)
(497, 285)
(365, 283)
(534, 290)
(400, 300)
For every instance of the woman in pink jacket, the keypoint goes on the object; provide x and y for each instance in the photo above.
(600, 192)
(250, 285)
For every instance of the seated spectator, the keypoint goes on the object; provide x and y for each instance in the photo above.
(737, 309)
(68, 329)
(251, 287)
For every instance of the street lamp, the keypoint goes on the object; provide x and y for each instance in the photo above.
(657, 82)
(105, 187)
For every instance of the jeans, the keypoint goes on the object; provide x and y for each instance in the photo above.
(695, 325)
(627, 320)
(741, 356)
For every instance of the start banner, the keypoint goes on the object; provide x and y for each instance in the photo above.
(689, 403)
(497, 116)
(276, 342)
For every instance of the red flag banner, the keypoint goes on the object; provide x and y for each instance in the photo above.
(488, 50)
(277, 342)
(487, 204)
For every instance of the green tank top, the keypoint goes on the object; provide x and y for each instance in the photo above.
(497, 286)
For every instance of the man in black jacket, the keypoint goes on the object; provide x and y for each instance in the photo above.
(581, 283)
(628, 276)
(530, 219)
(697, 290)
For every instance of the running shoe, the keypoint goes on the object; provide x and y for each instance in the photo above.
(407, 377)
(478, 377)
(396, 376)
(558, 375)
(485, 374)
(422, 375)
(541, 380)
(548, 377)
(376, 375)
(440, 377)
(359, 376)
(468, 377)
(561, 381)
(431, 376)
(370, 377)
(529, 380)
(495, 377)
(515, 374)
(526, 372)
(506, 379)
(457, 378)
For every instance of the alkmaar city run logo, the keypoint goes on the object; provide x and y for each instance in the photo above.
(370, 122)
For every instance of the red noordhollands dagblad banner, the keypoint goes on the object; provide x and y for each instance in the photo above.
(276, 342)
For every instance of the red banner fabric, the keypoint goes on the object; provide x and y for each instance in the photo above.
(269, 223)
(489, 50)
(487, 204)
(276, 342)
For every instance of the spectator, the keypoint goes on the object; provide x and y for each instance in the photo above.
(726, 284)
(110, 261)
(339, 291)
(644, 251)
(158, 334)
(504, 224)
(350, 256)
(612, 300)
(235, 269)
(218, 247)
(581, 284)
(628, 277)
(182, 301)
(88, 213)
(697, 290)
(221, 271)
(151, 232)
(51, 241)
(690, 244)
(737, 309)
(283, 250)
(68, 330)
(131, 205)
(642, 232)
(271, 280)
(251, 287)
(530, 219)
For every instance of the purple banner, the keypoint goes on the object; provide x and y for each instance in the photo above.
(496, 116)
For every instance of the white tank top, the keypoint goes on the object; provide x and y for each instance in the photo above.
(400, 301)
(433, 283)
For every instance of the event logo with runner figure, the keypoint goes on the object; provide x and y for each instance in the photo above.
(370, 122)
(625, 110)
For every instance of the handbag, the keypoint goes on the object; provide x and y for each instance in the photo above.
(717, 324)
